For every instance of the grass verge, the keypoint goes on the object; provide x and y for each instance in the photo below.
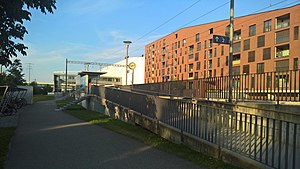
(6, 134)
(38, 98)
(147, 137)
(60, 103)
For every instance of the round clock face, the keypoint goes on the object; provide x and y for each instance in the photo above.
(131, 65)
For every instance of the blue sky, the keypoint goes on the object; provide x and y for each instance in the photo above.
(94, 30)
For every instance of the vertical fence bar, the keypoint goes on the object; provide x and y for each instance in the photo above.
(294, 146)
(273, 142)
(279, 149)
(236, 131)
(287, 144)
(267, 142)
(205, 122)
(261, 138)
(245, 135)
(240, 132)
(295, 85)
(231, 133)
(250, 131)
(216, 125)
(255, 130)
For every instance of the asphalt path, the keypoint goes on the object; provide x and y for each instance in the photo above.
(49, 139)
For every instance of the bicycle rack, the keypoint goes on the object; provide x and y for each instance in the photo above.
(12, 98)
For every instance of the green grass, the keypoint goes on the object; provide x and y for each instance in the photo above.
(6, 134)
(38, 98)
(60, 103)
(146, 137)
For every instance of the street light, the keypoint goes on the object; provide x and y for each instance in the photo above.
(127, 43)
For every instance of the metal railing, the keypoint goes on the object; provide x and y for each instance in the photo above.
(271, 86)
(259, 136)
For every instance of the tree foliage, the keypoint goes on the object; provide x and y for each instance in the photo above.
(13, 13)
(13, 75)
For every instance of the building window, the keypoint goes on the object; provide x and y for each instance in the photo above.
(282, 51)
(210, 51)
(209, 73)
(236, 70)
(215, 72)
(210, 43)
(251, 56)
(191, 66)
(219, 62)
(227, 61)
(198, 46)
(247, 44)
(198, 66)
(283, 36)
(178, 44)
(196, 56)
(215, 52)
(267, 54)
(282, 65)
(205, 44)
(237, 35)
(260, 68)
(191, 49)
(211, 30)
(196, 75)
(205, 54)
(183, 42)
(176, 36)
(268, 25)
(261, 41)
(296, 32)
(246, 69)
(222, 71)
(227, 31)
(164, 42)
(205, 64)
(252, 30)
(222, 50)
(269, 81)
(197, 37)
(295, 64)
(236, 47)
(283, 21)
(210, 64)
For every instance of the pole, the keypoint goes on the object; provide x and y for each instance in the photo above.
(66, 78)
(29, 68)
(231, 49)
(126, 57)
(127, 43)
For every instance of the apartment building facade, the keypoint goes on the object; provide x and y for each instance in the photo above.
(263, 42)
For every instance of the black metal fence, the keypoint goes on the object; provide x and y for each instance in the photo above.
(272, 86)
(268, 138)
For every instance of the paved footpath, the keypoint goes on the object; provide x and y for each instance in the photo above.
(48, 139)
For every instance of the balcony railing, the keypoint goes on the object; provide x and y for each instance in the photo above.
(283, 24)
(283, 53)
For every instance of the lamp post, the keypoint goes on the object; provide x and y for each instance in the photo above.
(127, 43)
(231, 49)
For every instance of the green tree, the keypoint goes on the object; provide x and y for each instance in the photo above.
(15, 75)
(3, 79)
(13, 13)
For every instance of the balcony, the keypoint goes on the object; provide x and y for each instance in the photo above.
(282, 51)
(283, 21)
(236, 62)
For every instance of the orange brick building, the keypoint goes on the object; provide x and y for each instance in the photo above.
(263, 42)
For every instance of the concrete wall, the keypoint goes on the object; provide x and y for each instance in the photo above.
(29, 94)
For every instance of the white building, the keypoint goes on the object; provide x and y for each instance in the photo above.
(118, 74)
